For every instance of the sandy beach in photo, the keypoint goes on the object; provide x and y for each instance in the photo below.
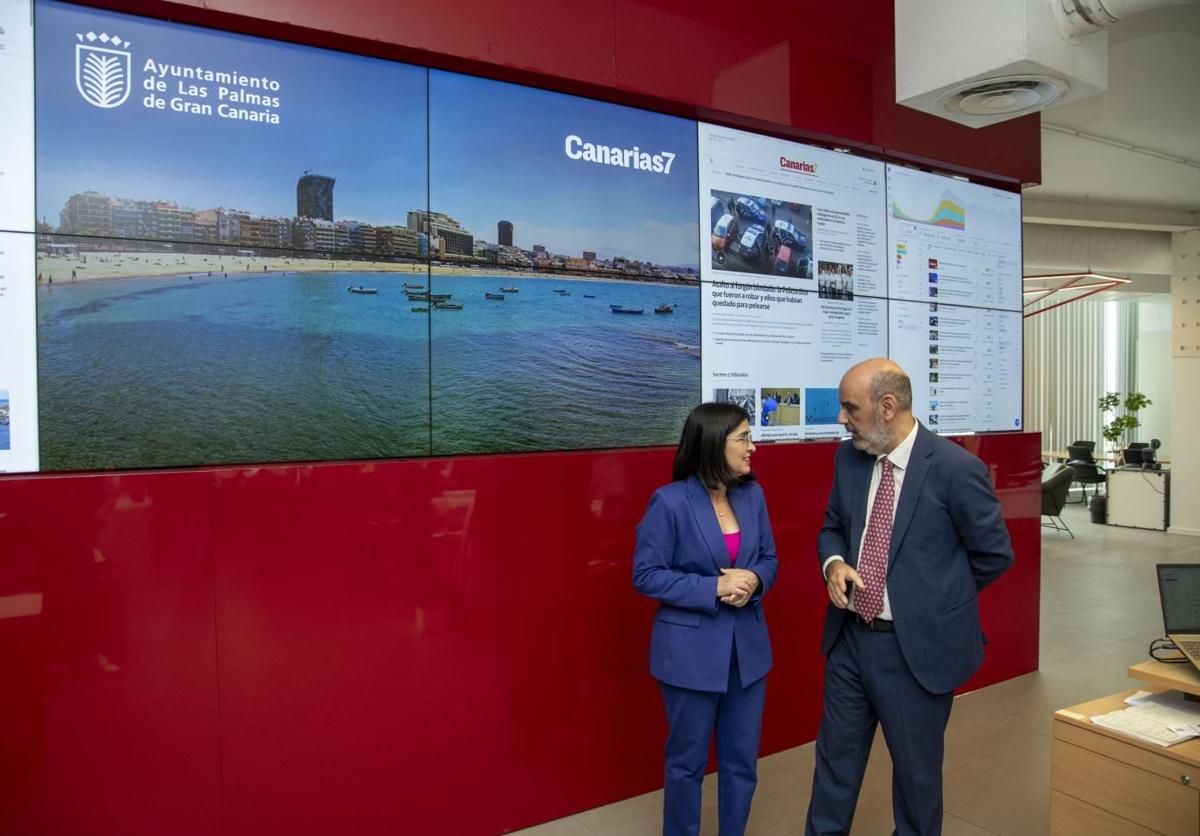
(99, 265)
(91, 266)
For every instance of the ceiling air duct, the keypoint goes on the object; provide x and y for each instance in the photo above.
(979, 63)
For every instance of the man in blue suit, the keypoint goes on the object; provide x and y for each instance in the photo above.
(912, 533)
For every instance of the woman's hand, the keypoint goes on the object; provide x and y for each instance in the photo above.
(735, 586)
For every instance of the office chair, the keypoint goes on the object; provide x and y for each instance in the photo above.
(1091, 445)
(1080, 453)
(1087, 473)
(1054, 497)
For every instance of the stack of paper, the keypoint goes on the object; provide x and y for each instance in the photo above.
(1162, 719)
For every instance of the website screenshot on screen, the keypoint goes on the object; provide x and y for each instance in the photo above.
(18, 375)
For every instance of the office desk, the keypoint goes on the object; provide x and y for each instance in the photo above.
(1103, 783)
(1062, 456)
(1139, 498)
(1176, 676)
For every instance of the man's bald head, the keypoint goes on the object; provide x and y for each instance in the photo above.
(876, 398)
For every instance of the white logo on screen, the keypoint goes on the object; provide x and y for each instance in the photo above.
(102, 73)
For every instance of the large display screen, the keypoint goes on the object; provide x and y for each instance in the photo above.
(568, 236)
(210, 204)
(16, 128)
(18, 360)
(794, 277)
(241, 250)
(964, 363)
(952, 241)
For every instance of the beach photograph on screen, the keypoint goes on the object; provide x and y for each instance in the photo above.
(228, 247)
(564, 232)
(752, 234)
(5, 437)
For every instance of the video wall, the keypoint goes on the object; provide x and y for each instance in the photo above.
(240, 250)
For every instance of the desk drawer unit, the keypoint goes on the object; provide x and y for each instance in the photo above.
(1102, 785)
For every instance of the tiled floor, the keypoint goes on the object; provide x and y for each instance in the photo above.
(1099, 611)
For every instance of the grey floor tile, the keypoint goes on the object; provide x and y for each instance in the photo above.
(570, 826)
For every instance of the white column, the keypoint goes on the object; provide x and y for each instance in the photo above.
(1185, 377)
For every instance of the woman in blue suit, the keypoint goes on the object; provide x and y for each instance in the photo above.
(705, 552)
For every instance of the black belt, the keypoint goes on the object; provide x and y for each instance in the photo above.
(877, 625)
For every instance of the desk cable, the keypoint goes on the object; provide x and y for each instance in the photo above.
(1161, 648)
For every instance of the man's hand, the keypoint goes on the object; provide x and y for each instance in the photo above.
(735, 586)
(837, 576)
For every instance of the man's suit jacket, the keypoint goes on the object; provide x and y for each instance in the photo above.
(680, 552)
(948, 542)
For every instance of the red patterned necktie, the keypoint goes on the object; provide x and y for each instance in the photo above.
(872, 563)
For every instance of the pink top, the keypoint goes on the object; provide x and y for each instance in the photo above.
(732, 543)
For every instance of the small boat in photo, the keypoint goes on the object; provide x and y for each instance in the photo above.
(447, 306)
(364, 290)
(414, 286)
(560, 290)
(589, 296)
(500, 297)
(509, 290)
(621, 309)
(665, 308)
(420, 309)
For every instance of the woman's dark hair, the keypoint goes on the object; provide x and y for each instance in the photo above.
(702, 445)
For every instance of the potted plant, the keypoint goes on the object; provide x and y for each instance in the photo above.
(1115, 429)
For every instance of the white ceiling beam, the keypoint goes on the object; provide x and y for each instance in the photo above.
(1086, 213)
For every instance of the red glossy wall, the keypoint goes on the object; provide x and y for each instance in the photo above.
(438, 646)
(450, 645)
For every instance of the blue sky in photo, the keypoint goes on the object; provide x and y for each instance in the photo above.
(497, 152)
(359, 120)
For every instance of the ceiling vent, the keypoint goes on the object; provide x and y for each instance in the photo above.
(979, 63)
(1005, 97)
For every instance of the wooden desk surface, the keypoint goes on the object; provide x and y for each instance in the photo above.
(1186, 752)
(1179, 676)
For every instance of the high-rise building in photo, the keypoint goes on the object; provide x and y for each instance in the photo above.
(504, 232)
(314, 197)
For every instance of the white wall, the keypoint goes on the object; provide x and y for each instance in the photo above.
(1154, 370)
(1185, 377)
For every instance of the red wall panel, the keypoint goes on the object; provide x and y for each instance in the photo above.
(108, 711)
(346, 647)
(447, 645)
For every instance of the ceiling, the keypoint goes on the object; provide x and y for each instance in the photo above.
(1130, 157)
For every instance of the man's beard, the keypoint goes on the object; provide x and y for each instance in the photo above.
(874, 441)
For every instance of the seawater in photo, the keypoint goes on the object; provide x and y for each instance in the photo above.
(156, 372)
(548, 370)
